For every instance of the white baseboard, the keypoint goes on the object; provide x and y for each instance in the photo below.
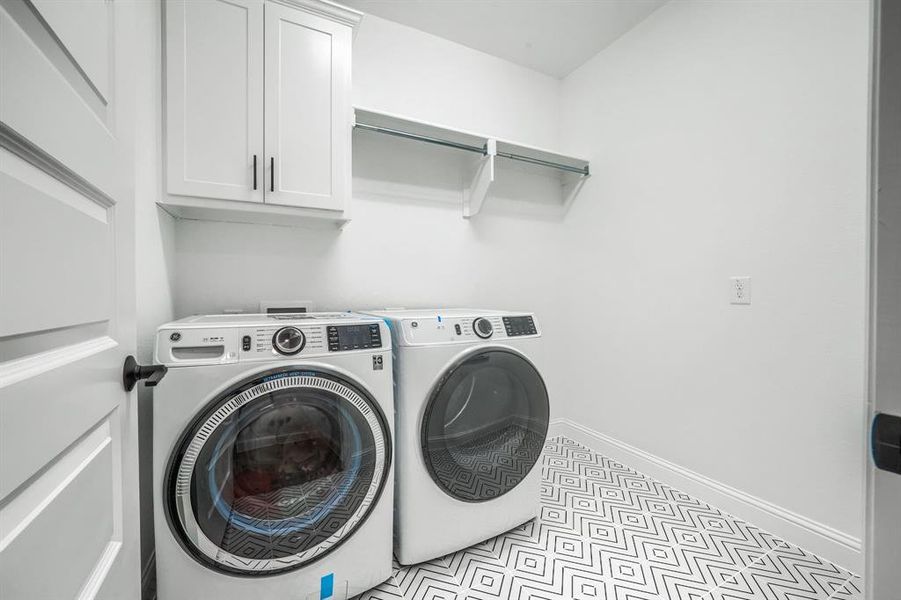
(824, 541)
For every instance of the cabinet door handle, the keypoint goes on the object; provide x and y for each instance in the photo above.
(271, 173)
(254, 172)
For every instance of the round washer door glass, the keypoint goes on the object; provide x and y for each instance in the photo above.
(485, 425)
(278, 472)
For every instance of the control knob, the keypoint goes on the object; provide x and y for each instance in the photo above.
(483, 328)
(288, 341)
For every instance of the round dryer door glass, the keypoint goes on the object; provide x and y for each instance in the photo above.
(485, 425)
(278, 472)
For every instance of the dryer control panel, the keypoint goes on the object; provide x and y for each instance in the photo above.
(475, 328)
(515, 326)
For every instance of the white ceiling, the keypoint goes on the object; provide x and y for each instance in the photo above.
(551, 36)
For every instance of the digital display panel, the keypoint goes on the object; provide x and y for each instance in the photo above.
(519, 326)
(354, 337)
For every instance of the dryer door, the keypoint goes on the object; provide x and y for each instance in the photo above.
(485, 424)
(279, 471)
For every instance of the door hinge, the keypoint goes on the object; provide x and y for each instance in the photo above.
(886, 442)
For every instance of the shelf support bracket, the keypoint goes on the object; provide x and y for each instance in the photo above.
(474, 196)
(571, 189)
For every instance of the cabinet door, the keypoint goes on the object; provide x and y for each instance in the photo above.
(308, 122)
(214, 98)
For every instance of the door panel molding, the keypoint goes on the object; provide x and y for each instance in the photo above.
(20, 510)
(30, 19)
(83, 30)
(32, 437)
(17, 347)
(13, 372)
(24, 149)
(59, 248)
(84, 480)
(98, 578)
(40, 103)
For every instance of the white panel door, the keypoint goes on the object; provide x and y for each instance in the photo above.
(214, 98)
(308, 112)
(68, 439)
(884, 502)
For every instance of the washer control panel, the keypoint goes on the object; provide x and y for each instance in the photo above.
(354, 337)
(288, 340)
(285, 341)
(267, 341)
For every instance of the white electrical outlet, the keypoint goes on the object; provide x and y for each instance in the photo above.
(740, 290)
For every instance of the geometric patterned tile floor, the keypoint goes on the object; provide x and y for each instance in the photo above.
(607, 532)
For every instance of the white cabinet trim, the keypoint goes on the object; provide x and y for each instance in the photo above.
(329, 10)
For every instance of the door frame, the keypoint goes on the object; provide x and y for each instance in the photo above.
(877, 132)
(870, 337)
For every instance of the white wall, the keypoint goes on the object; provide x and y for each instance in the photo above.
(725, 138)
(406, 71)
(729, 138)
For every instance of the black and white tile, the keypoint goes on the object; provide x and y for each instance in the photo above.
(607, 532)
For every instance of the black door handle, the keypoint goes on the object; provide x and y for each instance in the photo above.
(886, 442)
(254, 172)
(132, 373)
(271, 173)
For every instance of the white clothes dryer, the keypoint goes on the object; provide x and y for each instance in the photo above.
(472, 416)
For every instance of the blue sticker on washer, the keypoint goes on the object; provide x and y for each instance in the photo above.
(326, 586)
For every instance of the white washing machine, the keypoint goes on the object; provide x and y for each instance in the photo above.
(471, 420)
(272, 457)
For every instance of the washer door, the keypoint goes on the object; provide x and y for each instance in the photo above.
(278, 472)
(485, 424)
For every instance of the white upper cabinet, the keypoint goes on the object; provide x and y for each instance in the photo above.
(214, 98)
(258, 107)
(308, 112)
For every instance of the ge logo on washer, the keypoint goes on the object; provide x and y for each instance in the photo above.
(378, 362)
